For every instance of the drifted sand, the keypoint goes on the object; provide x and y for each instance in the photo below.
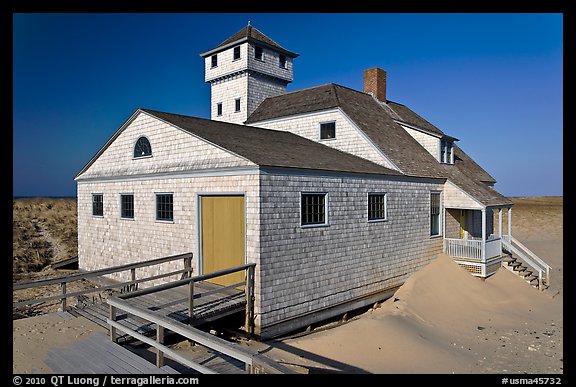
(443, 320)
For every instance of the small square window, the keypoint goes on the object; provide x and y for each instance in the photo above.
(97, 205)
(313, 209)
(377, 207)
(282, 61)
(237, 105)
(164, 207)
(236, 53)
(258, 53)
(327, 130)
(127, 206)
(219, 109)
(214, 59)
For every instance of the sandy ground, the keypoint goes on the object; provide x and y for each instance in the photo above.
(442, 320)
(33, 337)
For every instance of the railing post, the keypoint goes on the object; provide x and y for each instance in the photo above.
(540, 286)
(547, 275)
(187, 266)
(190, 301)
(63, 299)
(112, 328)
(159, 340)
(249, 290)
(133, 278)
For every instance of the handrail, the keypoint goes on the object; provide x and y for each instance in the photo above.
(252, 359)
(509, 246)
(96, 273)
(128, 285)
(186, 281)
(246, 355)
(537, 258)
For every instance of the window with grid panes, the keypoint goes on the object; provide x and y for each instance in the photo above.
(127, 206)
(313, 211)
(377, 206)
(164, 207)
(434, 213)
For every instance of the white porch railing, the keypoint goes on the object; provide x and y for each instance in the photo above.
(463, 248)
(472, 248)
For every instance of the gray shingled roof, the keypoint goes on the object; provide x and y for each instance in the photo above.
(408, 116)
(378, 123)
(249, 33)
(272, 148)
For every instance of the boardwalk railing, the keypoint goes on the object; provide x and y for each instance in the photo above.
(254, 362)
(247, 284)
(130, 285)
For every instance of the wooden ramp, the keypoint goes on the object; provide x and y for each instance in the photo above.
(211, 302)
(96, 354)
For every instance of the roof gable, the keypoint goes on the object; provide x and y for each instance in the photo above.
(173, 150)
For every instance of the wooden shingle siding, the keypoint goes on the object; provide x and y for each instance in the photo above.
(454, 197)
(110, 241)
(430, 143)
(348, 139)
(304, 269)
(172, 150)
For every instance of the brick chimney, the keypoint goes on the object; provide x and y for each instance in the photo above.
(375, 83)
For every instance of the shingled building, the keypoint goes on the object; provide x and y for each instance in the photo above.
(336, 195)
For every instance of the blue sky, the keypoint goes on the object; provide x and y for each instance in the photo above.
(492, 80)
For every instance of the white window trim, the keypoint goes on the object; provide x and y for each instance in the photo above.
(440, 217)
(92, 207)
(326, 202)
(133, 204)
(240, 100)
(222, 109)
(134, 146)
(156, 208)
(320, 131)
(212, 65)
(448, 144)
(385, 219)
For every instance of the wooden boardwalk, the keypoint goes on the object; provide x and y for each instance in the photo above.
(96, 354)
(210, 303)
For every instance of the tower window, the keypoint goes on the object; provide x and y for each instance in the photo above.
(214, 59)
(237, 105)
(236, 52)
(219, 109)
(282, 61)
(258, 53)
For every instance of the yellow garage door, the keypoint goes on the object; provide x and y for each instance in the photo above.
(223, 236)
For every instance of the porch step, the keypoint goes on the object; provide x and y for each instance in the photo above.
(525, 273)
(508, 259)
(514, 264)
(520, 268)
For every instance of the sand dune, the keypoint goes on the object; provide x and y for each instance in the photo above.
(443, 320)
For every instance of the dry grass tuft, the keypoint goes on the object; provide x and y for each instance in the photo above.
(40, 227)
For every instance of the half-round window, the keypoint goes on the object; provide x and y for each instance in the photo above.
(142, 148)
